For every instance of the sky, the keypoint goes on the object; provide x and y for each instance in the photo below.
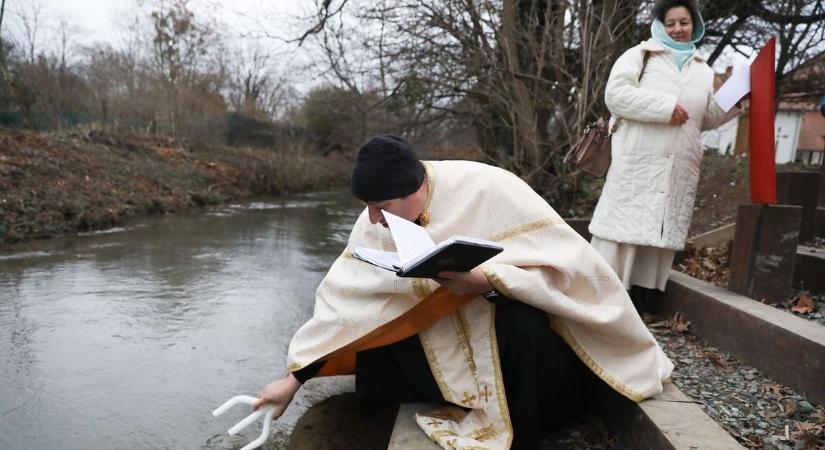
(104, 21)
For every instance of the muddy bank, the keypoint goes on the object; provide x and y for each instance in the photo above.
(66, 182)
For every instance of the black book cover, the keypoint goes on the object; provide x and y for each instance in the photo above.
(459, 256)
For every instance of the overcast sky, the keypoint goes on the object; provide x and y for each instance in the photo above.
(103, 21)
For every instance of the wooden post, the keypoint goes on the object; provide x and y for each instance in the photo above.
(821, 201)
(801, 189)
(764, 251)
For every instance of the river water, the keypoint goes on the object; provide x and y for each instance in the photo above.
(129, 338)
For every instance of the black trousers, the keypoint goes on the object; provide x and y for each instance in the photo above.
(545, 382)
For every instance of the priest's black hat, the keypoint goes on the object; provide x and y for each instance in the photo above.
(386, 168)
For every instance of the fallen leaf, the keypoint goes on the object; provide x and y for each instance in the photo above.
(774, 388)
(679, 324)
(790, 407)
(806, 440)
(804, 305)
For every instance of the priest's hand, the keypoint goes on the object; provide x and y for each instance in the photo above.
(472, 282)
(278, 393)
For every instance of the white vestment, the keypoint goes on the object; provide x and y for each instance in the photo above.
(544, 264)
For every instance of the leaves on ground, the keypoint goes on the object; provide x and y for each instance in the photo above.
(804, 304)
(707, 264)
(678, 323)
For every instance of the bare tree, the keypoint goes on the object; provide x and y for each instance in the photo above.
(532, 69)
(529, 74)
(31, 18)
(2, 45)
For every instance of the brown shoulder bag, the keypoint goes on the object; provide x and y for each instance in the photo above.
(591, 152)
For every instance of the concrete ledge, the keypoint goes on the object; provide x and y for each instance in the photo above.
(779, 344)
(406, 434)
(668, 421)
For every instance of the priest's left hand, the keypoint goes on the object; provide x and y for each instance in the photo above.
(472, 282)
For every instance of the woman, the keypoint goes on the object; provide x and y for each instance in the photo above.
(662, 90)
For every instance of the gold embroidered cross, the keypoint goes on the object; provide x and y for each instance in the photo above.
(451, 444)
(486, 394)
(468, 399)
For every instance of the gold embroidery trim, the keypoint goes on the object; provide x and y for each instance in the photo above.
(435, 368)
(526, 228)
(482, 434)
(500, 394)
(425, 215)
(498, 285)
(449, 412)
(621, 388)
(421, 287)
(464, 341)
(436, 435)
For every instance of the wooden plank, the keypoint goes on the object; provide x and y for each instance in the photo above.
(819, 221)
(714, 237)
(809, 272)
(782, 346)
(800, 189)
(764, 251)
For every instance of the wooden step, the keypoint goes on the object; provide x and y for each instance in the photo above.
(782, 346)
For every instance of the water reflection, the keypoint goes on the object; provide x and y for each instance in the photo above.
(128, 339)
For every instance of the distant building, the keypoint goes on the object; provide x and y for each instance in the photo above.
(799, 127)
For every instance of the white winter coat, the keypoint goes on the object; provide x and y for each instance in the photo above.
(650, 188)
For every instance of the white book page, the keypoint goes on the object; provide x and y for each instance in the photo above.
(410, 239)
(386, 260)
(734, 88)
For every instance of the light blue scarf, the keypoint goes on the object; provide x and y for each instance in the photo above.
(682, 51)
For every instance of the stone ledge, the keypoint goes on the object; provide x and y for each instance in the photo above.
(406, 434)
(669, 421)
(782, 346)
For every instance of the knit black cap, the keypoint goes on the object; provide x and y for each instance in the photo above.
(387, 168)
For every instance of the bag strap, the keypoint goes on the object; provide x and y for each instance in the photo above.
(644, 63)
(641, 73)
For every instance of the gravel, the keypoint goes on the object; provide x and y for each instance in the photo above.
(757, 411)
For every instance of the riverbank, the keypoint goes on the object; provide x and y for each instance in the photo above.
(65, 182)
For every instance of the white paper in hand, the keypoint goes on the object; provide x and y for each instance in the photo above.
(737, 86)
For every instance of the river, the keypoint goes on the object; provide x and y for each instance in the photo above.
(129, 338)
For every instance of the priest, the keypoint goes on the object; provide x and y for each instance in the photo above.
(509, 346)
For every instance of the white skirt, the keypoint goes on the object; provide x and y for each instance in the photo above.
(638, 265)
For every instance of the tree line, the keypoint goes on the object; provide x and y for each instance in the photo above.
(516, 79)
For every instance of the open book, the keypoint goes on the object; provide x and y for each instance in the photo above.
(418, 256)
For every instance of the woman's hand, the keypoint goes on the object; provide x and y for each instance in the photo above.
(472, 282)
(679, 116)
(278, 393)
